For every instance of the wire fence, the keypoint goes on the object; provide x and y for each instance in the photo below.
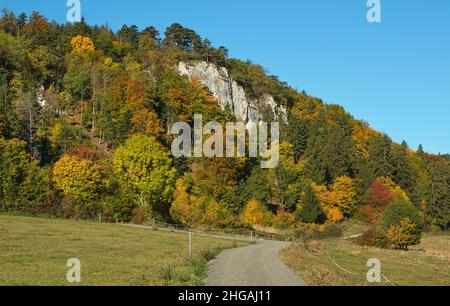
(247, 234)
(243, 233)
(251, 234)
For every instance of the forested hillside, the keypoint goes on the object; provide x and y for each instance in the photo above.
(84, 114)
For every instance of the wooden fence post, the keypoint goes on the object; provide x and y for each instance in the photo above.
(190, 245)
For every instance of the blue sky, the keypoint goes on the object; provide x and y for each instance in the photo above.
(395, 75)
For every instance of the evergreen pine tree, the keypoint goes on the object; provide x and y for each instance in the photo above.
(438, 210)
(310, 211)
(297, 135)
(380, 156)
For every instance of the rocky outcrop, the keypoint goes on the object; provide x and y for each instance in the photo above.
(229, 93)
(40, 95)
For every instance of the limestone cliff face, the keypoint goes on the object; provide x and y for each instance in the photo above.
(229, 93)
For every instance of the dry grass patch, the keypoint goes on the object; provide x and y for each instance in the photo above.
(341, 262)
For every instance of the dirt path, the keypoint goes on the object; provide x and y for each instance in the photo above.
(255, 265)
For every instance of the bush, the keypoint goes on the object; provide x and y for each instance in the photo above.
(316, 232)
(208, 254)
(398, 211)
(374, 237)
(283, 220)
(256, 213)
(402, 223)
(141, 215)
(368, 214)
(403, 235)
(122, 209)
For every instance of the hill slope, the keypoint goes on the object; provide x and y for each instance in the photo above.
(66, 86)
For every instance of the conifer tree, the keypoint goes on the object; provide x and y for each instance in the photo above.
(309, 211)
(438, 210)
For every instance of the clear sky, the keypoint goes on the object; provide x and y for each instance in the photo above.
(395, 74)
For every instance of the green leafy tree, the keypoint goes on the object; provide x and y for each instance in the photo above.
(34, 189)
(144, 166)
(14, 163)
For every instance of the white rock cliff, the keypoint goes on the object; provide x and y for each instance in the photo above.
(229, 93)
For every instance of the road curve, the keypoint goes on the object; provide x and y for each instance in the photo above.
(254, 265)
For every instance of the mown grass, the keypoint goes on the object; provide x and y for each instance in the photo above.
(35, 252)
(427, 264)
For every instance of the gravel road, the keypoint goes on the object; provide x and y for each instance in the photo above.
(255, 265)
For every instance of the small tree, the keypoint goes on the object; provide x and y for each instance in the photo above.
(403, 235)
(345, 194)
(402, 223)
(380, 196)
(309, 210)
(81, 180)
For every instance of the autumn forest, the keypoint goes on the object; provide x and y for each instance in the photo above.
(84, 117)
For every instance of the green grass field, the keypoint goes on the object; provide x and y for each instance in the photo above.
(425, 264)
(35, 252)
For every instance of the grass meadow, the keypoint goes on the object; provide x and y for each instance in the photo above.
(35, 252)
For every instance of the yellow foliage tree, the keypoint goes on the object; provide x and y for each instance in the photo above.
(361, 136)
(256, 213)
(328, 204)
(82, 45)
(345, 194)
(78, 177)
(182, 209)
(283, 219)
(334, 215)
(401, 236)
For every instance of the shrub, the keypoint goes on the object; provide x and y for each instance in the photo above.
(283, 220)
(122, 209)
(403, 224)
(218, 215)
(334, 215)
(316, 232)
(208, 255)
(182, 210)
(256, 213)
(372, 237)
(398, 211)
(141, 215)
(403, 235)
(369, 214)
